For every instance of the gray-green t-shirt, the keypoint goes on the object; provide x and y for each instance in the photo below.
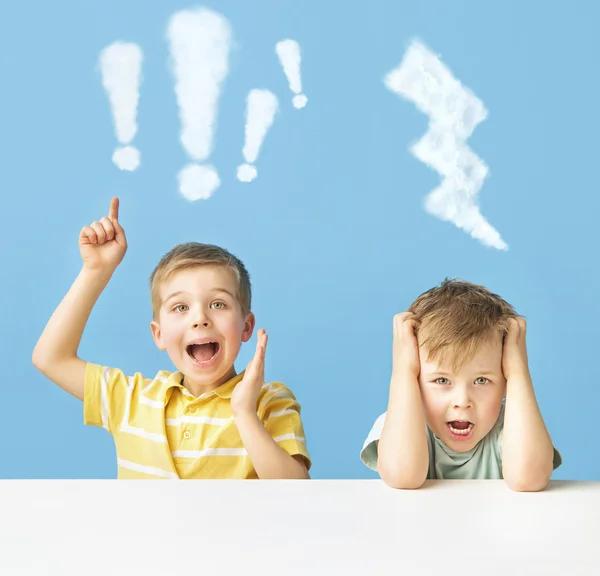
(484, 461)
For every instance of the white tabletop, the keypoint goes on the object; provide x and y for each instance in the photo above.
(455, 528)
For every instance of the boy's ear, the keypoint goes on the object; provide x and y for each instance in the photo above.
(249, 324)
(157, 335)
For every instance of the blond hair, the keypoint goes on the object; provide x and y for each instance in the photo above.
(456, 318)
(192, 254)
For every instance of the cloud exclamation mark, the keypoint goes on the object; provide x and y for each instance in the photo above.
(288, 52)
(260, 112)
(199, 42)
(120, 64)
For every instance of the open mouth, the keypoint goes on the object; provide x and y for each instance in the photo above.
(462, 428)
(203, 352)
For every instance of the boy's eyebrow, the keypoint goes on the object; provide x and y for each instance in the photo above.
(172, 295)
(478, 372)
(225, 291)
(179, 292)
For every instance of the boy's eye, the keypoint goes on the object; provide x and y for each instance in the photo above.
(180, 306)
(481, 380)
(217, 305)
(442, 381)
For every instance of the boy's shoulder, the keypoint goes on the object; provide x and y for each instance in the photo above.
(109, 378)
(110, 393)
(274, 389)
(275, 396)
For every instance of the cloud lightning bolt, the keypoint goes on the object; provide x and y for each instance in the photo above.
(454, 112)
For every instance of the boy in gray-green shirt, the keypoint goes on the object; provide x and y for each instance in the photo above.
(461, 402)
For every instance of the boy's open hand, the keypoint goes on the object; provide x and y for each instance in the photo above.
(514, 350)
(405, 347)
(245, 395)
(103, 244)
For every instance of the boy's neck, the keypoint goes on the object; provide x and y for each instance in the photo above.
(199, 389)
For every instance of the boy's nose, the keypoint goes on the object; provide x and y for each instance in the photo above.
(462, 399)
(200, 319)
(463, 405)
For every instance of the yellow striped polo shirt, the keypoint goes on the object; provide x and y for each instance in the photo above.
(161, 430)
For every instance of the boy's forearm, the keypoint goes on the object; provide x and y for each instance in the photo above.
(269, 460)
(403, 458)
(527, 450)
(62, 335)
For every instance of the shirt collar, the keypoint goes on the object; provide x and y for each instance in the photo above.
(225, 390)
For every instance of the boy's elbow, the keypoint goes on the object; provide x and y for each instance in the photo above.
(528, 482)
(402, 479)
(527, 473)
(401, 483)
(527, 486)
(37, 359)
(42, 361)
(46, 362)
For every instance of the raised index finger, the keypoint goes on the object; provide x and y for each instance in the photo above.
(113, 212)
(261, 345)
(261, 342)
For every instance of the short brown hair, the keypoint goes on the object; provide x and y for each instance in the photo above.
(456, 318)
(192, 254)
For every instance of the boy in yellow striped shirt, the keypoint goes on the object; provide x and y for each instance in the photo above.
(203, 420)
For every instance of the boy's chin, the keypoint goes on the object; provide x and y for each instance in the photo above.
(217, 372)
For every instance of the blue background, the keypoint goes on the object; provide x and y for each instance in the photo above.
(333, 230)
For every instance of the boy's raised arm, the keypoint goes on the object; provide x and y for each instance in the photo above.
(403, 457)
(268, 459)
(527, 449)
(102, 246)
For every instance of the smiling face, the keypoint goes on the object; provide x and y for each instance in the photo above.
(462, 405)
(201, 325)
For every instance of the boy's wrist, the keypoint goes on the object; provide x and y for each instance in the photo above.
(520, 377)
(245, 416)
(402, 375)
(96, 274)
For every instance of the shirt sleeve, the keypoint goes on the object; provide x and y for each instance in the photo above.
(280, 413)
(368, 454)
(557, 459)
(105, 397)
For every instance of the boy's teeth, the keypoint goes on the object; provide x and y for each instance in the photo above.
(461, 432)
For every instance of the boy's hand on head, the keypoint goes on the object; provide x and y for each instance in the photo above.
(514, 350)
(406, 347)
(103, 244)
(245, 395)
